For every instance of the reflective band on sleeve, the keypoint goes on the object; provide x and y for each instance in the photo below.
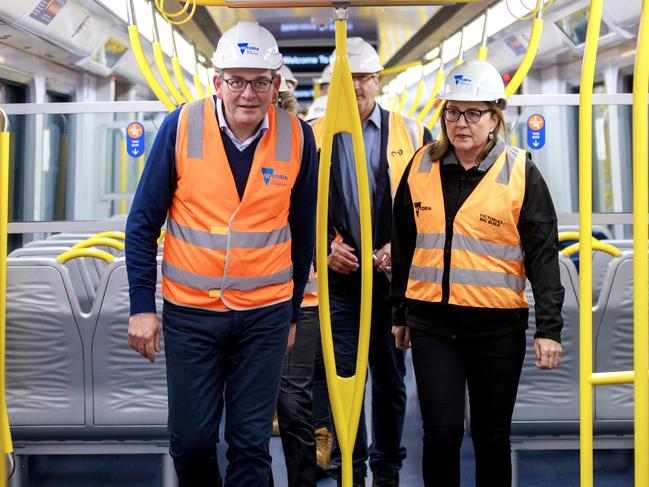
(284, 136)
(425, 165)
(487, 279)
(195, 128)
(427, 274)
(508, 167)
(257, 240)
(430, 240)
(199, 238)
(491, 249)
(205, 283)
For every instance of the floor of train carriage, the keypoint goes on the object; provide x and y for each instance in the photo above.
(537, 468)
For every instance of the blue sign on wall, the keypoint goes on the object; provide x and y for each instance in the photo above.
(536, 131)
(135, 139)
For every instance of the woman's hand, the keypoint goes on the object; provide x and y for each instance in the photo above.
(548, 353)
(401, 336)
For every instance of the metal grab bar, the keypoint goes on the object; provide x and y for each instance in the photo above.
(341, 115)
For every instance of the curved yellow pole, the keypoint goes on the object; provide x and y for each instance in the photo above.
(100, 242)
(345, 393)
(586, 241)
(415, 103)
(530, 54)
(402, 100)
(641, 250)
(399, 68)
(114, 234)
(180, 78)
(6, 445)
(164, 73)
(140, 58)
(75, 253)
(570, 235)
(596, 245)
(439, 79)
(198, 84)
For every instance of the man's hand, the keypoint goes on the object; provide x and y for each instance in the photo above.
(383, 259)
(144, 334)
(342, 258)
(291, 337)
(401, 336)
(548, 353)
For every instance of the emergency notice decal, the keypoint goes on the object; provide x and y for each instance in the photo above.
(135, 139)
(46, 10)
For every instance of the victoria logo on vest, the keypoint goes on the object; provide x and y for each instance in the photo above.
(270, 177)
(490, 220)
(419, 207)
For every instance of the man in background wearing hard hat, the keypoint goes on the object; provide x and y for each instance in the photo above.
(390, 141)
(235, 178)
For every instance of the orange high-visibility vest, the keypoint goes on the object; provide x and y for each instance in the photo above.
(405, 136)
(221, 252)
(486, 269)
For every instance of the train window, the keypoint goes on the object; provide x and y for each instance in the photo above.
(574, 26)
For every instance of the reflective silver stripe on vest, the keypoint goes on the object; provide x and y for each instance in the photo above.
(195, 128)
(486, 278)
(284, 131)
(200, 238)
(491, 249)
(508, 167)
(414, 133)
(205, 283)
(425, 165)
(311, 287)
(243, 240)
(430, 240)
(427, 274)
(256, 240)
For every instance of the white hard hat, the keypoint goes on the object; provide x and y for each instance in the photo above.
(247, 45)
(474, 81)
(317, 109)
(362, 57)
(286, 73)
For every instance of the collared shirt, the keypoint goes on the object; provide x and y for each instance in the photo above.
(372, 140)
(241, 145)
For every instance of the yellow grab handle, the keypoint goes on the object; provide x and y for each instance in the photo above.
(402, 101)
(75, 253)
(115, 234)
(142, 63)
(415, 103)
(597, 245)
(199, 86)
(439, 79)
(164, 73)
(6, 445)
(100, 241)
(570, 235)
(180, 79)
(482, 53)
(528, 59)
(341, 115)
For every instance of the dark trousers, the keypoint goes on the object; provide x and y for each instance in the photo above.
(491, 367)
(294, 406)
(321, 415)
(387, 366)
(205, 351)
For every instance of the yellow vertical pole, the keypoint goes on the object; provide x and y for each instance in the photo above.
(6, 446)
(439, 79)
(641, 251)
(585, 243)
(482, 50)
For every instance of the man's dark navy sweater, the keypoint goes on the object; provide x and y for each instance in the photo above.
(155, 192)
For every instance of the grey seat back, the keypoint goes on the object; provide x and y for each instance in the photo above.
(548, 400)
(127, 389)
(45, 367)
(613, 346)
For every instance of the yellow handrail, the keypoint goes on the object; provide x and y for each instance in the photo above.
(402, 101)
(341, 115)
(597, 245)
(99, 242)
(6, 445)
(586, 241)
(164, 73)
(114, 234)
(75, 253)
(439, 79)
(180, 79)
(198, 84)
(399, 68)
(569, 235)
(140, 58)
(530, 53)
(415, 103)
(641, 250)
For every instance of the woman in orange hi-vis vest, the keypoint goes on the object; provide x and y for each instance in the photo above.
(473, 219)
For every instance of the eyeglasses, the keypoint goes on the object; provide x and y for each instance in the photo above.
(364, 78)
(237, 85)
(471, 116)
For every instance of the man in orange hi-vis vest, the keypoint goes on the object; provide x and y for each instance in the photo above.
(235, 179)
